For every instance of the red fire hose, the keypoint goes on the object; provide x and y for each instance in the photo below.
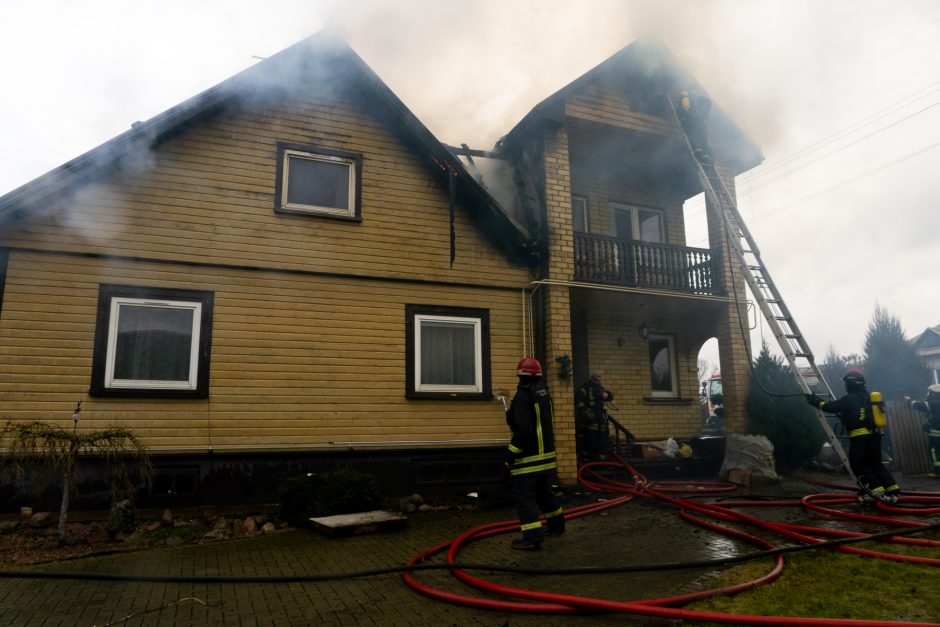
(535, 602)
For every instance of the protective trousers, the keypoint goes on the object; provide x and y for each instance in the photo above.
(865, 460)
(533, 495)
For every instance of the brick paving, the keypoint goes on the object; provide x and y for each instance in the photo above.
(638, 532)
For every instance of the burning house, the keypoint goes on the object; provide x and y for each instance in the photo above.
(289, 272)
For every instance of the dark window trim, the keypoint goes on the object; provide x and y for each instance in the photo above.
(105, 293)
(463, 312)
(355, 157)
(4, 261)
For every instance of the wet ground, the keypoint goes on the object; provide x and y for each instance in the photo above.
(638, 532)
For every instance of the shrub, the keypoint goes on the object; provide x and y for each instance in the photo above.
(342, 491)
(785, 418)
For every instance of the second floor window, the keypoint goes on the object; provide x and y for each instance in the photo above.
(637, 223)
(579, 220)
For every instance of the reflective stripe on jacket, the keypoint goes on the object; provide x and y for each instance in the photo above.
(854, 412)
(529, 417)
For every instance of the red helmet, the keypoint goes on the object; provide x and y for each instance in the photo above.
(530, 367)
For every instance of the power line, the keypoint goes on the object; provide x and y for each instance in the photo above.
(839, 185)
(849, 181)
(698, 205)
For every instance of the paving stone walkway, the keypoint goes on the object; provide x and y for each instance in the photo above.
(639, 532)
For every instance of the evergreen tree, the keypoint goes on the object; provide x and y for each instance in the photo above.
(776, 409)
(892, 366)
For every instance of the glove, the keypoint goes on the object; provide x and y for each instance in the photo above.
(814, 400)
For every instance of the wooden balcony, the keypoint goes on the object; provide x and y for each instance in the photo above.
(632, 263)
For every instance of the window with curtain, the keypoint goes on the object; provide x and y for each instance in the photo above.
(448, 352)
(151, 341)
(315, 180)
(662, 366)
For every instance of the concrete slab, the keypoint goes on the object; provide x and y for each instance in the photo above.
(359, 523)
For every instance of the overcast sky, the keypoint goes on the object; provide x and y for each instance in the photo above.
(843, 98)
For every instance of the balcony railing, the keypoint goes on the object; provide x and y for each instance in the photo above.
(602, 259)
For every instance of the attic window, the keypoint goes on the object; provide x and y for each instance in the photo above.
(312, 180)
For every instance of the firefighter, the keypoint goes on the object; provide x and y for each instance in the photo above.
(931, 407)
(856, 412)
(531, 458)
(693, 113)
(592, 419)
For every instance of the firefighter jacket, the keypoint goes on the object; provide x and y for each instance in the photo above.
(591, 396)
(930, 407)
(532, 447)
(854, 411)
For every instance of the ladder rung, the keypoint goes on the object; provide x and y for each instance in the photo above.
(802, 354)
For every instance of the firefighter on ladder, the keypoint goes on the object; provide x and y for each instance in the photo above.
(531, 458)
(856, 411)
(931, 407)
(693, 113)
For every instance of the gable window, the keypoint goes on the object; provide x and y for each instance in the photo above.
(448, 352)
(152, 342)
(579, 219)
(318, 181)
(636, 223)
(662, 357)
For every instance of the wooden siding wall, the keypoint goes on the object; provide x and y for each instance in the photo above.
(298, 358)
(607, 104)
(208, 195)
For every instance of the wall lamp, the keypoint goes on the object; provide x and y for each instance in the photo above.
(644, 331)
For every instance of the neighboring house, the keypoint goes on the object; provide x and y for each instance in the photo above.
(289, 272)
(927, 345)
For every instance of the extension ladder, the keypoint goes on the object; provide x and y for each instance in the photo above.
(765, 292)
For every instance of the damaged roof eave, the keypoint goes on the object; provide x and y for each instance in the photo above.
(742, 152)
(492, 218)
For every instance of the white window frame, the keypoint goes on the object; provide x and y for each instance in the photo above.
(191, 384)
(477, 388)
(674, 388)
(349, 211)
(635, 221)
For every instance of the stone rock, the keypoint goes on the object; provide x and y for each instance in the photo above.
(424, 507)
(167, 519)
(250, 526)
(40, 520)
(268, 527)
(218, 534)
(174, 541)
(151, 526)
(261, 519)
